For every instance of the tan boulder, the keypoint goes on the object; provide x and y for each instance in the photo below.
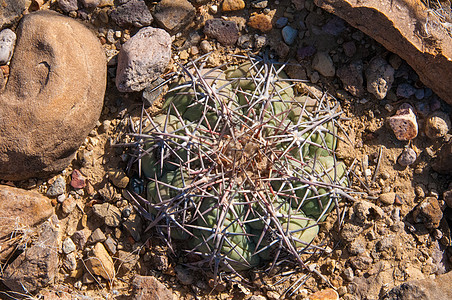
(407, 28)
(53, 97)
(19, 210)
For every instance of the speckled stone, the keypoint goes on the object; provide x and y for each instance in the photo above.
(407, 157)
(225, 32)
(437, 125)
(232, 5)
(261, 22)
(404, 123)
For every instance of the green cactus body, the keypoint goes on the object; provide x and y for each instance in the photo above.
(243, 164)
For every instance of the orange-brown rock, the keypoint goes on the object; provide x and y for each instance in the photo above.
(19, 210)
(53, 97)
(261, 22)
(326, 294)
(231, 5)
(407, 28)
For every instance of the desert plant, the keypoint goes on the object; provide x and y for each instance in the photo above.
(240, 166)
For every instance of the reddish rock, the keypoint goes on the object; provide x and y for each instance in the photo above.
(326, 294)
(226, 32)
(149, 288)
(401, 26)
(428, 212)
(404, 123)
(261, 22)
(63, 66)
(78, 181)
(19, 209)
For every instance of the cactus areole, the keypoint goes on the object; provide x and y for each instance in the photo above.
(240, 166)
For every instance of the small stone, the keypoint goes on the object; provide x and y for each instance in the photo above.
(259, 4)
(305, 52)
(213, 9)
(68, 5)
(174, 15)
(357, 246)
(387, 198)
(133, 225)
(407, 157)
(70, 262)
(78, 181)
(225, 32)
(437, 125)
(261, 22)
(420, 94)
(149, 288)
(110, 245)
(349, 48)
(100, 263)
(326, 294)
(348, 274)
(405, 90)
(259, 41)
(360, 262)
(205, 46)
(109, 213)
(184, 275)
(289, 34)
(7, 42)
(132, 13)
(443, 162)
(447, 196)
(404, 123)
(126, 261)
(79, 238)
(118, 178)
(428, 212)
(232, 5)
(323, 63)
(352, 78)
(90, 4)
(142, 59)
(68, 246)
(281, 22)
(380, 76)
(68, 205)
(315, 77)
(334, 26)
(58, 187)
(97, 236)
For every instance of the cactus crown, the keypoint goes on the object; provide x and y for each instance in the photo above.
(240, 167)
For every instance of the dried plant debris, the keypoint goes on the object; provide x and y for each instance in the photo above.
(241, 168)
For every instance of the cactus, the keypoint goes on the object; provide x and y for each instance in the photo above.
(239, 166)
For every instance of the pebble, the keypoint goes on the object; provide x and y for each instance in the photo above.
(78, 181)
(110, 245)
(213, 9)
(352, 78)
(289, 34)
(281, 22)
(361, 262)
(259, 4)
(118, 178)
(407, 157)
(97, 236)
(348, 274)
(428, 212)
(326, 294)
(387, 198)
(447, 196)
(100, 263)
(142, 59)
(405, 90)
(68, 205)
(259, 41)
(233, 5)
(68, 5)
(80, 238)
(109, 213)
(420, 94)
(184, 275)
(205, 46)
(7, 42)
(404, 123)
(174, 15)
(380, 76)
(58, 187)
(315, 77)
(132, 13)
(334, 26)
(305, 52)
(349, 48)
(323, 63)
(437, 125)
(225, 32)
(357, 246)
(68, 246)
(70, 262)
(261, 22)
(90, 4)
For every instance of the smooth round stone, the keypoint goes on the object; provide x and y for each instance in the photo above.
(419, 94)
(289, 34)
(281, 22)
(407, 157)
(405, 90)
(7, 41)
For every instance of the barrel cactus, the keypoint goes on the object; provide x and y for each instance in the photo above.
(240, 167)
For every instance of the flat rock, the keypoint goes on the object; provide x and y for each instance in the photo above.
(149, 288)
(326, 294)
(20, 209)
(109, 213)
(99, 262)
(426, 289)
(352, 78)
(226, 32)
(173, 15)
(142, 59)
(404, 123)
(323, 63)
(401, 26)
(380, 76)
(36, 267)
(443, 162)
(11, 11)
(261, 22)
(50, 116)
(132, 13)
(428, 212)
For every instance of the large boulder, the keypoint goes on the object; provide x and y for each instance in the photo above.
(53, 97)
(407, 28)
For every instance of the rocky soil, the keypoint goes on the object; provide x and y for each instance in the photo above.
(77, 234)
